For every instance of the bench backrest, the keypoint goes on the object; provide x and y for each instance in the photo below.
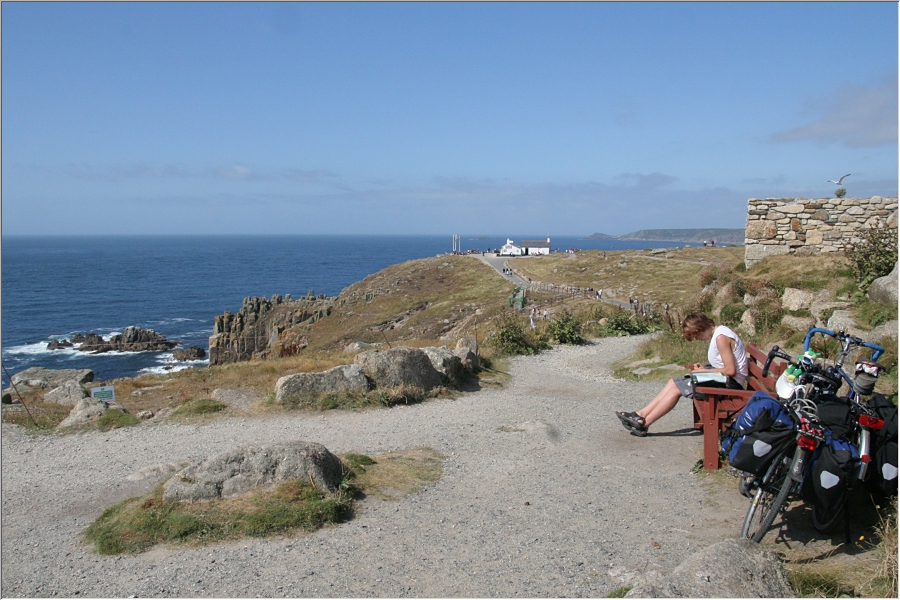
(755, 380)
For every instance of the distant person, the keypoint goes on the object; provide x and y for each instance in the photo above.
(545, 314)
(726, 354)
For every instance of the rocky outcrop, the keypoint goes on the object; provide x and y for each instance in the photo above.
(133, 339)
(266, 328)
(446, 363)
(236, 472)
(736, 568)
(884, 289)
(340, 379)
(88, 410)
(794, 299)
(399, 366)
(68, 394)
(467, 351)
(189, 353)
(48, 379)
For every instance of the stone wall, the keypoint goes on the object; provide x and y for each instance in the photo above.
(807, 226)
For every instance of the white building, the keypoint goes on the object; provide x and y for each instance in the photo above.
(527, 248)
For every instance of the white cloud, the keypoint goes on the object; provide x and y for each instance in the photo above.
(858, 116)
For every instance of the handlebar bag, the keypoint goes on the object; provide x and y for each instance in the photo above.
(762, 431)
(882, 473)
(832, 474)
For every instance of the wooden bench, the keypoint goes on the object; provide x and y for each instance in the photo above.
(714, 408)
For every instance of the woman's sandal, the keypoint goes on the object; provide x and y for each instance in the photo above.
(632, 421)
(640, 432)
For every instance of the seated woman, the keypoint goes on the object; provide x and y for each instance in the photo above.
(726, 355)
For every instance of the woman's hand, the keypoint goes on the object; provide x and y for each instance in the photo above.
(693, 367)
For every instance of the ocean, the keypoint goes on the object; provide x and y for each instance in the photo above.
(55, 287)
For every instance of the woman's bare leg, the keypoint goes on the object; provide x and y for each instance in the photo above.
(664, 401)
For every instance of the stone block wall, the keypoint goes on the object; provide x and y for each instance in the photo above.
(807, 226)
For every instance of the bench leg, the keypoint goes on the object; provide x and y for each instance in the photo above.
(711, 436)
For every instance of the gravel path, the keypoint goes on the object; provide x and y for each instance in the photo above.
(567, 505)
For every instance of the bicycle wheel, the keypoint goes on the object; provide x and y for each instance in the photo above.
(769, 498)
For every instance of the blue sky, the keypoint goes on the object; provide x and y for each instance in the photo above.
(501, 118)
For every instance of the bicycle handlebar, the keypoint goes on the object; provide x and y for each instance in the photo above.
(841, 336)
(774, 352)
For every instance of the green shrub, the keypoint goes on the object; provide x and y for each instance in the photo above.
(840, 192)
(509, 337)
(625, 322)
(565, 328)
(731, 314)
(873, 314)
(872, 255)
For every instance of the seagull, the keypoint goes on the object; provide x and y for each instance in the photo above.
(838, 182)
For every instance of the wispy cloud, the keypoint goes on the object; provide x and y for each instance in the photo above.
(858, 117)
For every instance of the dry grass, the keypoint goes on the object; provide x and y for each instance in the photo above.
(645, 276)
(393, 475)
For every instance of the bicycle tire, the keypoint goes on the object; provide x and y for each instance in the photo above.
(767, 502)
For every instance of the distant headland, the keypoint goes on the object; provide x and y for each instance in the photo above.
(722, 236)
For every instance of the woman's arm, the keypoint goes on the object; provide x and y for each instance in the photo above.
(726, 350)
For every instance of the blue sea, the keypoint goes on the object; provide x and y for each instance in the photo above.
(55, 287)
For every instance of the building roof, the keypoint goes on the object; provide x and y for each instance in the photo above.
(536, 243)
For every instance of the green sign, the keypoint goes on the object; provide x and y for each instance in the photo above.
(106, 393)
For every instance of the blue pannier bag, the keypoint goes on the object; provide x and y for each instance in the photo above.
(882, 474)
(833, 473)
(760, 433)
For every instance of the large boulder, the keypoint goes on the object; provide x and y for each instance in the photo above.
(238, 471)
(399, 366)
(340, 379)
(798, 323)
(68, 394)
(884, 330)
(48, 379)
(85, 411)
(736, 568)
(842, 320)
(467, 351)
(445, 362)
(189, 353)
(884, 289)
(794, 299)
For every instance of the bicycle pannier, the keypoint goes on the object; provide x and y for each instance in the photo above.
(836, 414)
(882, 473)
(760, 433)
(832, 474)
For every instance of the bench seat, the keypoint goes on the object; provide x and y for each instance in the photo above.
(715, 408)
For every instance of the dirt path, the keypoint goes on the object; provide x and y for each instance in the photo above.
(543, 494)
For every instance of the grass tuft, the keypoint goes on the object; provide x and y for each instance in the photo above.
(199, 406)
(137, 524)
(619, 592)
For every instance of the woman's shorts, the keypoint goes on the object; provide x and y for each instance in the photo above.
(685, 385)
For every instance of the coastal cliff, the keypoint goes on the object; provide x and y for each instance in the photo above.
(265, 328)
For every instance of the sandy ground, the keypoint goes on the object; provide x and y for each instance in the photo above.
(543, 494)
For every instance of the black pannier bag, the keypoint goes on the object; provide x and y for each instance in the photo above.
(882, 473)
(836, 414)
(834, 471)
(760, 433)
